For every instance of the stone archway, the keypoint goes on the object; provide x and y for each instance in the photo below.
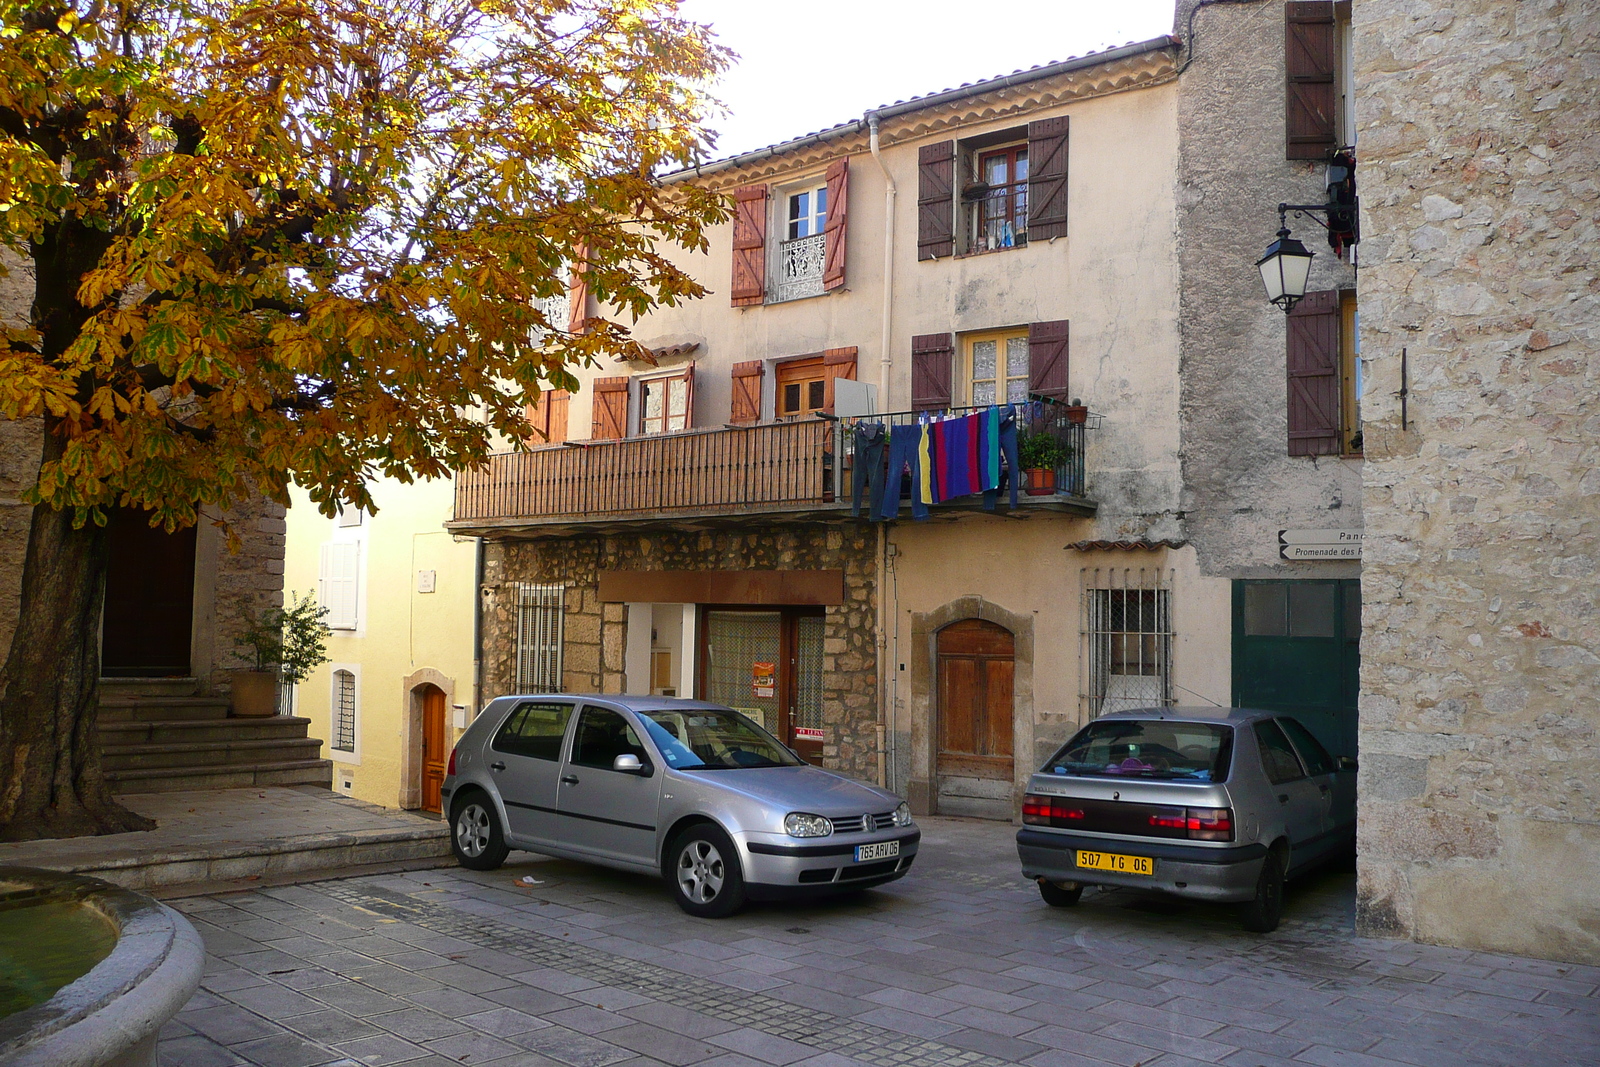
(923, 788)
(413, 688)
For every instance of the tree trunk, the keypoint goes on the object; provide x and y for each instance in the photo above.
(50, 779)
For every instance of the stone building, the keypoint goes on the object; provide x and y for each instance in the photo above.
(1480, 781)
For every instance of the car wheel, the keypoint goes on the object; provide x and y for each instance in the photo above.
(703, 869)
(1261, 915)
(475, 834)
(1057, 897)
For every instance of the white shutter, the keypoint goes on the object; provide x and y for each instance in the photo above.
(337, 582)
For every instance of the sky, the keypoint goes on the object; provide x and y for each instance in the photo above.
(803, 68)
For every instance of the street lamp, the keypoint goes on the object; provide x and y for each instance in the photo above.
(1285, 267)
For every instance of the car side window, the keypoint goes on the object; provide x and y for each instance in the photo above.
(602, 736)
(1277, 755)
(534, 729)
(1316, 757)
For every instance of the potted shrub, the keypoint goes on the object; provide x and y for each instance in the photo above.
(1039, 454)
(284, 645)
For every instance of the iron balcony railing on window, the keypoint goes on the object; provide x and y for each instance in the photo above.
(800, 267)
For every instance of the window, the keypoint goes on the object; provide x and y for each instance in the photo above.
(1010, 187)
(1312, 754)
(997, 199)
(338, 583)
(351, 517)
(808, 212)
(1289, 609)
(540, 610)
(802, 253)
(807, 221)
(1128, 639)
(664, 404)
(1278, 757)
(997, 367)
(343, 704)
(534, 730)
(1350, 370)
(802, 388)
(602, 736)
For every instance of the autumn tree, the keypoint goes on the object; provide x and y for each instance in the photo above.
(301, 241)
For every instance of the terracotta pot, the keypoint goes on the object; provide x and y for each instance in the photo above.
(255, 694)
(1078, 413)
(1041, 482)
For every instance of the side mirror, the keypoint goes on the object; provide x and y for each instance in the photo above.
(628, 763)
(1347, 763)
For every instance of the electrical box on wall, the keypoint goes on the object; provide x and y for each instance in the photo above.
(460, 716)
(426, 581)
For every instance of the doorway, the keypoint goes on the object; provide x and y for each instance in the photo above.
(149, 606)
(767, 663)
(1297, 649)
(975, 762)
(434, 750)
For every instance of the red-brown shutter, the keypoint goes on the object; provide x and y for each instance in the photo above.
(1047, 359)
(1313, 360)
(836, 363)
(548, 417)
(833, 243)
(746, 408)
(578, 292)
(610, 409)
(749, 245)
(932, 368)
(1047, 179)
(1310, 55)
(688, 397)
(936, 199)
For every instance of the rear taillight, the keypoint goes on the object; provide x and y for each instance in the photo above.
(1050, 811)
(452, 768)
(1210, 824)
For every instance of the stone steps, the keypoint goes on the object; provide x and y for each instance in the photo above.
(191, 731)
(165, 709)
(242, 776)
(209, 755)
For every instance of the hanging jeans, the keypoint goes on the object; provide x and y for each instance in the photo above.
(871, 440)
(1008, 448)
(905, 444)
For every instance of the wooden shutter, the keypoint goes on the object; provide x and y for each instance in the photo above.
(549, 417)
(833, 243)
(749, 245)
(1313, 360)
(338, 583)
(836, 363)
(688, 399)
(1047, 359)
(578, 292)
(932, 368)
(1047, 179)
(746, 408)
(610, 409)
(1310, 56)
(936, 200)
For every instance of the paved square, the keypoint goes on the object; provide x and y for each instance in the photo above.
(958, 965)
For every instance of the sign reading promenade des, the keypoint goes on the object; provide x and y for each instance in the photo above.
(1319, 544)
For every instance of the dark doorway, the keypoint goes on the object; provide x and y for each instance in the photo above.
(149, 613)
(977, 668)
(433, 747)
(1297, 649)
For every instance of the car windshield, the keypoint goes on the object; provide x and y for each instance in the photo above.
(707, 739)
(1147, 748)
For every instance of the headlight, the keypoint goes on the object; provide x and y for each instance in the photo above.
(902, 815)
(799, 824)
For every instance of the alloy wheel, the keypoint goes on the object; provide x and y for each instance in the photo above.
(472, 830)
(700, 872)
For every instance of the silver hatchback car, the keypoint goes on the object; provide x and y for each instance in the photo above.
(694, 792)
(1218, 804)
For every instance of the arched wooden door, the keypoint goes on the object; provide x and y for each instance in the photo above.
(434, 753)
(975, 760)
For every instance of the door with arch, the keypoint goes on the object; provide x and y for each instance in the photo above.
(975, 761)
(434, 752)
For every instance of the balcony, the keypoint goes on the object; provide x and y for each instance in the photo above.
(794, 470)
(800, 267)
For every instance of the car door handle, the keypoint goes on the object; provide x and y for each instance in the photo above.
(497, 766)
(1283, 798)
(569, 779)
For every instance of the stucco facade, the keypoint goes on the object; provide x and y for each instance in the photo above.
(1480, 132)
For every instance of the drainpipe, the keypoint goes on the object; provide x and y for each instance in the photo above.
(885, 356)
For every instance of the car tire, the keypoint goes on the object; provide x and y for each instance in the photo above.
(703, 870)
(475, 834)
(1057, 897)
(1261, 914)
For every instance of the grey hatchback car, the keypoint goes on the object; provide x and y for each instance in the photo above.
(1219, 804)
(694, 792)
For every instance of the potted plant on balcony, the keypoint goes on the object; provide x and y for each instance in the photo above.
(285, 645)
(1039, 454)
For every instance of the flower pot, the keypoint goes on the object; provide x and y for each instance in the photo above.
(255, 694)
(1078, 413)
(1041, 481)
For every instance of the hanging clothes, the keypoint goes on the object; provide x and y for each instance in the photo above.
(906, 444)
(871, 442)
(1007, 439)
(922, 491)
(989, 449)
(958, 457)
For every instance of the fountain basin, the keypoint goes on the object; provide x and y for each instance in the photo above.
(89, 971)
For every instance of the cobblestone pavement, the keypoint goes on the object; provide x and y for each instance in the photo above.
(958, 965)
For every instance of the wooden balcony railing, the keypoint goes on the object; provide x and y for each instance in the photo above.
(781, 467)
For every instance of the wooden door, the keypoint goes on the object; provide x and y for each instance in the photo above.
(975, 761)
(149, 605)
(434, 753)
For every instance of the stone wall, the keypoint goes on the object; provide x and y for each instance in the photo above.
(595, 633)
(1480, 778)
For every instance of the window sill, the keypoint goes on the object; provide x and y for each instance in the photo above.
(771, 300)
(990, 251)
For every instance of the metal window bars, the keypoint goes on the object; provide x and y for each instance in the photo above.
(800, 267)
(1127, 639)
(541, 613)
(344, 711)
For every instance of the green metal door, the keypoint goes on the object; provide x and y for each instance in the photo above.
(1296, 649)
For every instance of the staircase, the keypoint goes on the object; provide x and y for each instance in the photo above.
(157, 736)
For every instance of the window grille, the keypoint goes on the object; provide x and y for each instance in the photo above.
(540, 611)
(808, 696)
(344, 712)
(1127, 639)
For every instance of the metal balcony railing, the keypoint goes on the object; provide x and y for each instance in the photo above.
(800, 268)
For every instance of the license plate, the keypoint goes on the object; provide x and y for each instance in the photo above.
(1113, 861)
(883, 850)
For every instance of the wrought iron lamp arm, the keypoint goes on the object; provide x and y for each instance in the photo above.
(1305, 211)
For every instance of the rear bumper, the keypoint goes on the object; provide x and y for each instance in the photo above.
(786, 872)
(1226, 874)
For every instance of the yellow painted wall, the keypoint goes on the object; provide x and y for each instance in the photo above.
(404, 637)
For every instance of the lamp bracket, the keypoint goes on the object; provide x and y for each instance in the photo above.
(1305, 211)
